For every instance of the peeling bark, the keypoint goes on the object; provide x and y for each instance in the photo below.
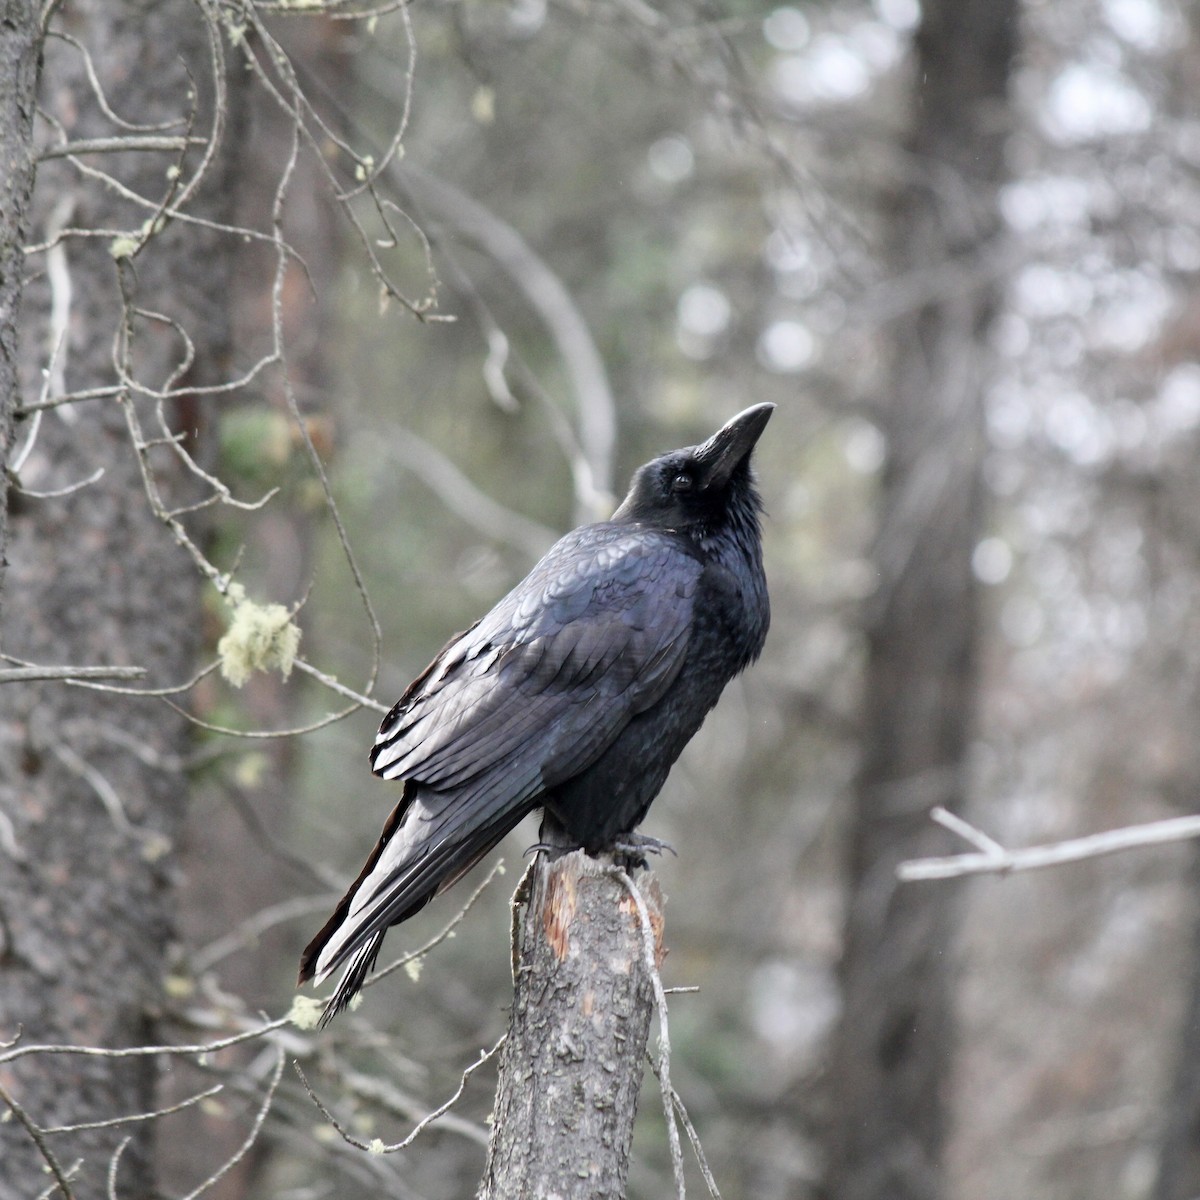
(572, 1066)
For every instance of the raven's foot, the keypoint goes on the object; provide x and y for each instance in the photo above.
(630, 850)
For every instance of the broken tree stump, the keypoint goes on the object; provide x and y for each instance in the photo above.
(571, 1068)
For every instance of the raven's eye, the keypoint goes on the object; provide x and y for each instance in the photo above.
(682, 482)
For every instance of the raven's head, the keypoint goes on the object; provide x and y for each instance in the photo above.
(699, 489)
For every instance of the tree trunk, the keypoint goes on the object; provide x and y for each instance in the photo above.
(572, 1066)
(279, 557)
(1179, 1153)
(890, 1071)
(93, 783)
(20, 66)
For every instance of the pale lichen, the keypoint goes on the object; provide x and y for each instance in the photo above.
(260, 637)
(305, 1012)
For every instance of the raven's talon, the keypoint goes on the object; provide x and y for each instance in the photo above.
(630, 851)
(553, 849)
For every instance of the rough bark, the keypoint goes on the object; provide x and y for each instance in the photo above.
(892, 1056)
(20, 66)
(92, 783)
(572, 1066)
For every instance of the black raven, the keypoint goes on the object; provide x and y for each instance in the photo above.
(575, 694)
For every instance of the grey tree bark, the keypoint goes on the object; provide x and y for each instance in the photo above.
(93, 784)
(20, 67)
(892, 1056)
(571, 1068)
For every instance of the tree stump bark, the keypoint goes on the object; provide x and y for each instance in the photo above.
(571, 1069)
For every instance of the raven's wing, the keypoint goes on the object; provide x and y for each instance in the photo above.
(594, 634)
(525, 699)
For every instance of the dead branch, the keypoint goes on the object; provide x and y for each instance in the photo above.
(994, 859)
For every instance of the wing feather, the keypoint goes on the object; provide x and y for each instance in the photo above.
(585, 631)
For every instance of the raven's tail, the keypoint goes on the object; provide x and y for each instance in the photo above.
(417, 857)
(361, 964)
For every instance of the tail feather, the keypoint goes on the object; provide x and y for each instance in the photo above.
(354, 976)
(414, 861)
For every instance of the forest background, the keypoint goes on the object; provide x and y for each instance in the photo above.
(352, 309)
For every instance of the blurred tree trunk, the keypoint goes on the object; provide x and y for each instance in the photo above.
(571, 1069)
(94, 783)
(20, 66)
(892, 1057)
(1179, 1155)
(229, 872)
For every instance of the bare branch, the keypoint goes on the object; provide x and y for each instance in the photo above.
(98, 90)
(331, 682)
(663, 1064)
(181, 1051)
(36, 1136)
(248, 932)
(31, 674)
(118, 145)
(251, 1137)
(463, 498)
(261, 735)
(379, 1147)
(965, 830)
(999, 861)
(99, 393)
(446, 931)
(132, 1118)
(694, 1138)
(318, 465)
(594, 401)
(58, 493)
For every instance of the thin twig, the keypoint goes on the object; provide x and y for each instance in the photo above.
(58, 493)
(379, 1147)
(132, 1118)
(36, 1136)
(248, 932)
(184, 1051)
(663, 1071)
(118, 145)
(114, 1165)
(99, 784)
(52, 1188)
(697, 1148)
(335, 685)
(446, 931)
(251, 1137)
(262, 735)
(463, 498)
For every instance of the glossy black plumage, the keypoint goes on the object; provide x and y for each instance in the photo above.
(575, 694)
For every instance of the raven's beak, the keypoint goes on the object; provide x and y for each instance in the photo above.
(731, 445)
